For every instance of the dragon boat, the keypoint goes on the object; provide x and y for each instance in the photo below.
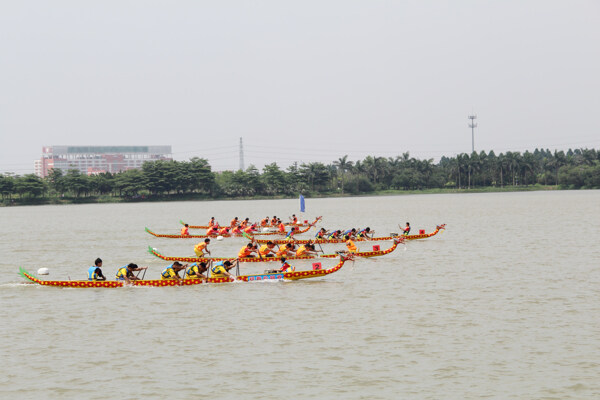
(267, 276)
(373, 253)
(224, 235)
(367, 239)
(301, 225)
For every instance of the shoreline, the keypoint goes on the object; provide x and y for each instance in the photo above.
(201, 197)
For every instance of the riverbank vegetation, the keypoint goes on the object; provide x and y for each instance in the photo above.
(194, 179)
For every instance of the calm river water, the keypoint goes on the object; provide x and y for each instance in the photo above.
(504, 304)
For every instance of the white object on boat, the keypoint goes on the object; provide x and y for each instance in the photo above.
(43, 271)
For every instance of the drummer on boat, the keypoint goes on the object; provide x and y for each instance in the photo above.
(126, 273)
(221, 270)
(172, 271)
(95, 271)
(294, 219)
(201, 248)
(350, 244)
(406, 229)
(196, 271)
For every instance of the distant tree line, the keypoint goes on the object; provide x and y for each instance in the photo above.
(573, 169)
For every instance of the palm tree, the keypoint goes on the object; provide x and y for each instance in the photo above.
(343, 165)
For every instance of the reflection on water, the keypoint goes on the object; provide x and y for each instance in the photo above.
(502, 304)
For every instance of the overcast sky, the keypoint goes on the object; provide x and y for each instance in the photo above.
(298, 81)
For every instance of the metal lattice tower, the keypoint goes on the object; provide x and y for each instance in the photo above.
(241, 155)
(472, 125)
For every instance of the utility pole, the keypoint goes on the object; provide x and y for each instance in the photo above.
(472, 125)
(241, 155)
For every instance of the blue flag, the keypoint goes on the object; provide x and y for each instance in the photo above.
(301, 203)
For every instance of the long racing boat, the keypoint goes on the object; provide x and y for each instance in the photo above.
(267, 276)
(367, 239)
(224, 235)
(373, 253)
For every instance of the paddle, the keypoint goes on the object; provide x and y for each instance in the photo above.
(244, 234)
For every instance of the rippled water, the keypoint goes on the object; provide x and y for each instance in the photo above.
(504, 304)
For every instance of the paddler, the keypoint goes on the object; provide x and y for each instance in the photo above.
(201, 248)
(281, 226)
(266, 250)
(321, 234)
(294, 219)
(224, 231)
(291, 233)
(95, 271)
(264, 222)
(350, 232)
(212, 222)
(406, 229)
(245, 223)
(221, 270)
(350, 244)
(213, 230)
(172, 271)
(250, 229)
(285, 250)
(236, 230)
(274, 220)
(247, 251)
(306, 250)
(335, 234)
(196, 271)
(363, 234)
(126, 273)
(234, 222)
(185, 231)
(285, 267)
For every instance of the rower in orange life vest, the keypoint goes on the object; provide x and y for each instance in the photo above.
(234, 222)
(213, 230)
(126, 273)
(185, 231)
(212, 222)
(350, 245)
(201, 247)
(264, 222)
(281, 227)
(247, 251)
(294, 219)
(250, 229)
(244, 223)
(274, 221)
(266, 250)
(285, 267)
(406, 229)
(95, 273)
(306, 250)
(236, 230)
(224, 231)
(286, 250)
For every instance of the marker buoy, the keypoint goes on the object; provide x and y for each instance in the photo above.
(43, 271)
(219, 238)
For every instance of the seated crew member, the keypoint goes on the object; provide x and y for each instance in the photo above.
(335, 234)
(126, 273)
(245, 223)
(172, 271)
(285, 267)
(274, 220)
(234, 222)
(364, 233)
(306, 250)
(321, 234)
(264, 222)
(350, 245)
(212, 222)
(221, 270)
(406, 229)
(196, 271)
(267, 250)
(285, 250)
(213, 230)
(236, 230)
(95, 271)
(247, 251)
(291, 233)
(201, 248)
(224, 231)
(280, 226)
(294, 219)
(350, 232)
(185, 231)
(250, 229)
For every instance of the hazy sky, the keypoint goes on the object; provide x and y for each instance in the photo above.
(298, 81)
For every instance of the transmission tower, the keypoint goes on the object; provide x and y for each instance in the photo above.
(472, 125)
(241, 155)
